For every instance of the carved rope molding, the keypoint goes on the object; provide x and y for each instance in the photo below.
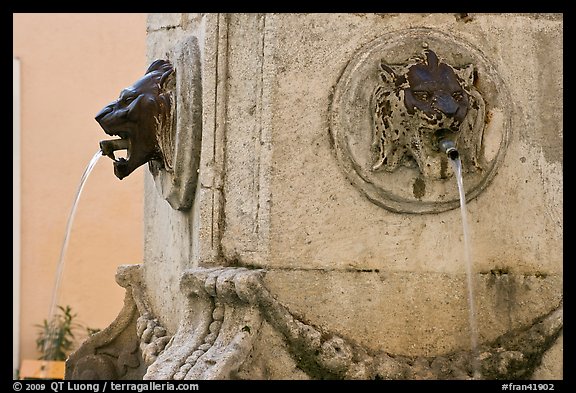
(227, 306)
(219, 330)
(322, 354)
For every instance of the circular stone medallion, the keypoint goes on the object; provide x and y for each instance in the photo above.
(414, 185)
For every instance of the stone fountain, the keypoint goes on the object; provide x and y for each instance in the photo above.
(301, 217)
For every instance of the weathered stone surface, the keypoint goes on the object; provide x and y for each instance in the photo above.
(386, 289)
(164, 21)
(218, 338)
(413, 314)
(552, 362)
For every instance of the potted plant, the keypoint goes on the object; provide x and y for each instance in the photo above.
(56, 339)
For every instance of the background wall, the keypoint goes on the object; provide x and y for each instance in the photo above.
(72, 65)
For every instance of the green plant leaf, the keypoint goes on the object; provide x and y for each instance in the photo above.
(56, 337)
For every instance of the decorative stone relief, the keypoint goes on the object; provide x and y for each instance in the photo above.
(176, 177)
(227, 307)
(153, 337)
(215, 338)
(114, 353)
(396, 98)
(420, 103)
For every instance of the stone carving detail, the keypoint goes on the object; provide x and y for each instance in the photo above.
(417, 100)
(153, 337)
(326, 355)
(114, 352)
(395, 97)
(215, 338)
(226, 309)
(213, 331)
(177, 176)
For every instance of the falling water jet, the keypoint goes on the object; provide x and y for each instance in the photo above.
(60, 266)
(456, 163)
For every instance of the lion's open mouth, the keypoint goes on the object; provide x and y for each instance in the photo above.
(108, 147)
(122, 165)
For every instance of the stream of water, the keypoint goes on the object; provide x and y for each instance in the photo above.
(457, 166)
(61, 261)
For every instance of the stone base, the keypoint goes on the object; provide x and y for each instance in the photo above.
(234, 328)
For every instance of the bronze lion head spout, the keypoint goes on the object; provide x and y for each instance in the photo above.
(137, 117)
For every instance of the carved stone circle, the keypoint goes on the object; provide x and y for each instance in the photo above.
(394, 98)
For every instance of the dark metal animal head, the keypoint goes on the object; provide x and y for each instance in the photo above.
(434, 89)
(417, 100)
(137, 117)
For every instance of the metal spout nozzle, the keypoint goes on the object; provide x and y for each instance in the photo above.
(446, 144)
(449, 147)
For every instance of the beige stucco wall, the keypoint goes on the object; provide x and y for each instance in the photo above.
(71, 66)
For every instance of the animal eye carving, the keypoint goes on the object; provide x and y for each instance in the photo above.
(422, 95)
(128, 99)
(457, 95)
